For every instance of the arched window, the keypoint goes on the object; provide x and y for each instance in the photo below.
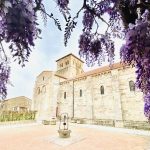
(80, 93)
(67, 62)
(38, 90)
(131, 85)
(61, 65)
(44, 89)
(64, 95)
(102, 90)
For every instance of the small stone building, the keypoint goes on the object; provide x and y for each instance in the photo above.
(106, 95)
(20, 103)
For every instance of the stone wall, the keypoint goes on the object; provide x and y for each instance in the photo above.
(42, 95)
(65, 104)
(131, 101)
(69, 66)
(83, 103)
(82, 97)
(20, 103)
(45, 95)
(103, 103)
(117, 106)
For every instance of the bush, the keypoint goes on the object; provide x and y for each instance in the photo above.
(15, 115)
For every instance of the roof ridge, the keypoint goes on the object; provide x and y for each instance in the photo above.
(69, 55)
(99, 70)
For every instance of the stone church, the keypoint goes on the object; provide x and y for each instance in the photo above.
(106, 95)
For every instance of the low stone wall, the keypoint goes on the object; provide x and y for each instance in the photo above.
(104, 122)
(137, 125)
(96, 122)
(17, 122)
(49, 122)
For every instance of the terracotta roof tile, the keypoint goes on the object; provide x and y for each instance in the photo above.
(45, 71)
(98, 70)
(69, 55)
(101, 69)
(60, 76)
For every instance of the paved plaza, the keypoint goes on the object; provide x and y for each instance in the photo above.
(83, 137)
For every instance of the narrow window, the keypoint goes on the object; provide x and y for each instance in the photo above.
(102, 90)
(131, 85)
(43, 78)
(61, 65)
(80, 93)
(38, 90)
(64, 95)
(44, 89)
(67, 62)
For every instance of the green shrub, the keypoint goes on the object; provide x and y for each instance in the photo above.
(15, 115)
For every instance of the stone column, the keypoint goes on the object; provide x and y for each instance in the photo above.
(89, 92)
(117, 99)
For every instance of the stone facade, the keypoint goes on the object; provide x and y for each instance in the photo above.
(20, 103)
(101, 96)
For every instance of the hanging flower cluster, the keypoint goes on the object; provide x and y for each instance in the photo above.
(63, 4)
(136, 51)
(96, 48)
(4, 78)
(122, 22)
(18, 28)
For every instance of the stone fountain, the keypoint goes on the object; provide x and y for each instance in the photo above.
(63, 126)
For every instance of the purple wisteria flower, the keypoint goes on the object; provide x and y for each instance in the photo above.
(136, 51)
(18, 28)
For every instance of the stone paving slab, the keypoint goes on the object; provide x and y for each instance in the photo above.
(84, 137)
(2, 126)
(119, 130)
(64, 141)
(98, 127)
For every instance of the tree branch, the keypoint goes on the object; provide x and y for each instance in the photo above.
(51, 16)
(2, 48)
(97, 15)
(78, 12)
(38, 5)
(97, 25)
(92, 10)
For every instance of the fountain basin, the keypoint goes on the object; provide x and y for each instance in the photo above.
(63, 133)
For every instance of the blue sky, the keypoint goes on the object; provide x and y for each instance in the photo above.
(46, 51)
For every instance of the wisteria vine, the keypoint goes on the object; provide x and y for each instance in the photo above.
(136, 51)
(4, 79)
(18, 28)
(128, 19)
